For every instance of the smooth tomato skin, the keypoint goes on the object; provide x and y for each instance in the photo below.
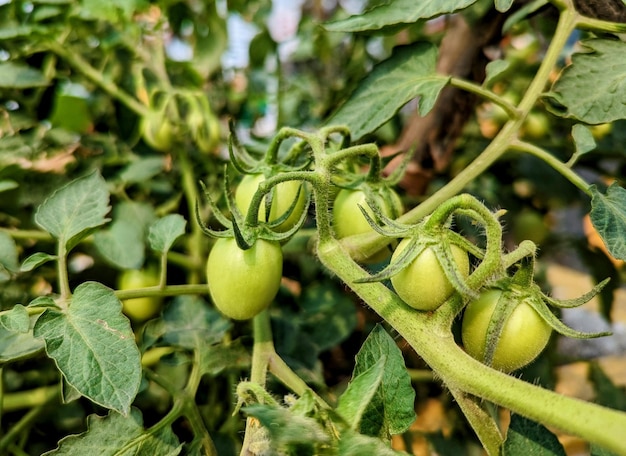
(140, 309)
(523, 337)
(422, 284)
(242, 283)
(284, 195)
(348, 219)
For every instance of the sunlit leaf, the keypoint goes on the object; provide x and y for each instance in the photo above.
(397, 12)
(593, 88)
(116, 435)
(94, 346)
(408, 73)
(608, 215)
(74, 209)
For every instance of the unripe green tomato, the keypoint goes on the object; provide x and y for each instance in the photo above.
(423, 284)
(348, 220)
(524, 335)
(205, 130)
(242, 283)
(157, 131)
(140, 309)
(282, 199)
(536, 125)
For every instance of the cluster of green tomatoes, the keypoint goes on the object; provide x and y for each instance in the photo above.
(506, 319)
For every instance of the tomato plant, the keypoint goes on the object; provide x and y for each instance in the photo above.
(243, 283)
(285, 196)
(423, 284)
(499, 126)
(524, 333)
(144, 308)
(348, 219)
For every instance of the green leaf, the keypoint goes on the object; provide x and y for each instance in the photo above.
(190, 323)
(408, 73)
(116, 435)
(495, 69)
(165, 231)
(72, 211)
(608, 215)
(15, 346)
(214, 359)
(583, 139)
(122, 244)
(18, 76)
(397, 12)
(392, 410)
(36, 260)
(329, 315)
(42, 301)
(287, 429)
(16, 319)
(503, 5)
(593, 88)
(530, 438)
(8, 253)
(94, 346)
(359, 393)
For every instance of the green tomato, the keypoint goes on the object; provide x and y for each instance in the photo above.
(348, 220)
(157, 131)
(145, 308)
(423, 284)
(524, 335)
(283, 197)
(242, 283)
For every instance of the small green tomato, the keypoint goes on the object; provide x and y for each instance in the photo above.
(524, 335)
(423, 284)
(145, 308)
(242, 283)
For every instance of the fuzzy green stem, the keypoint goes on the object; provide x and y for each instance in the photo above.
(554, 162)
(471, 87)
(435, 344)
(279, 368)
(28, 398)
(63, 277)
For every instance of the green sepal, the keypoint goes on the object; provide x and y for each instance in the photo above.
(576, 302)
(415, 247)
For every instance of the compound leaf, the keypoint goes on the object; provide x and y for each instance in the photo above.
(593, 88)
(408, 73)
(94, 346)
